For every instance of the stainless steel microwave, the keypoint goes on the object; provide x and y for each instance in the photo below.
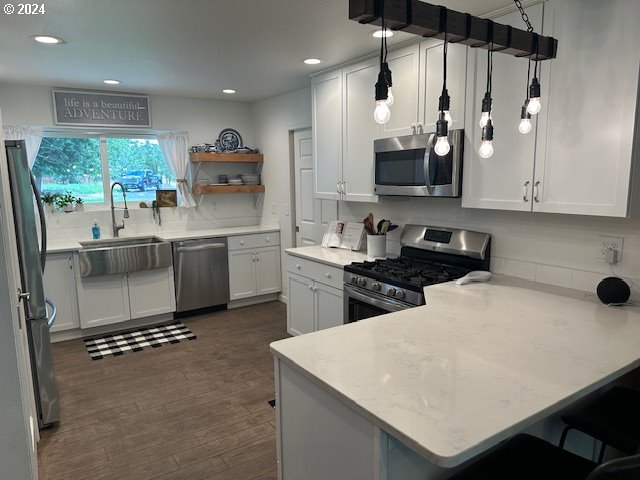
(408, 166)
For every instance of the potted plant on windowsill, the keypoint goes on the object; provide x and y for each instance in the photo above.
(50, 200)
(79, 204)
(65, 202)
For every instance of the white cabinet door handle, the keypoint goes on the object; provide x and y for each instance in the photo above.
(536, 191)
(344, 188)
(525, 191)
(298, 266)
(257, 257)
(328, 275)
(310, 287)
(241, 242)
(338, 188)
(268, 239)
(253, 257)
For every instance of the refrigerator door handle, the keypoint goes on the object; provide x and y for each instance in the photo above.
(43, 224)
(51, 319)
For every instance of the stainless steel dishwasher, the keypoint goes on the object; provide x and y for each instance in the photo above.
(201, 269)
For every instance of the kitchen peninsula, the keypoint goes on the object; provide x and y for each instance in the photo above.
(416, 393)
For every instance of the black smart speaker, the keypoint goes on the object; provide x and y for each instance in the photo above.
(613, 290)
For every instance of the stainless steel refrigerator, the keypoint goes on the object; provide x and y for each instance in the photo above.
(32, 257)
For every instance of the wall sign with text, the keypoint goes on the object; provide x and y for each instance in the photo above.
(100, 109)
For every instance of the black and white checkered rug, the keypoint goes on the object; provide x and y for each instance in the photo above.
(145, 338)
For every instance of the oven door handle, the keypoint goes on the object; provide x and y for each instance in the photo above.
(386, 304)
(426, 161)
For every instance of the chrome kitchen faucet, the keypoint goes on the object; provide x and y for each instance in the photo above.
(118, 227)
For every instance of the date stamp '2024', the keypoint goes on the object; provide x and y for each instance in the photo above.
(24, 9)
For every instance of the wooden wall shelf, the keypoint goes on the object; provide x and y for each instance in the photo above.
(205, 189)
(226, 157)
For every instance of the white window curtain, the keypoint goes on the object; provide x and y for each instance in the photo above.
(32, 137)
(175, 149)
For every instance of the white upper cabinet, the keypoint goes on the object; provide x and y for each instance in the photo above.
(503, 181)
(404, 64)
(326, 92)
(431, 76)
(577, 159)
(359, 130)
(586, 134)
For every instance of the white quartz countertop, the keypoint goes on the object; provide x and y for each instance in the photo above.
(56, 245)
(475, 365)
(335, 257)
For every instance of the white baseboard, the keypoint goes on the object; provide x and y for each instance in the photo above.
(252, 301)
(114, 327)
(283, 298)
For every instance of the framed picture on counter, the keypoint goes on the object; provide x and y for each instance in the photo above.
(166, 198)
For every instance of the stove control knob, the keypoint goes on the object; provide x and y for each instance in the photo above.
(354, 280)
(362, 282)
(375, 287)
(391, 292)
(400, 294)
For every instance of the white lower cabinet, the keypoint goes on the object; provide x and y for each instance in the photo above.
(109, 299)
(315, 299)
(151, 292)
(254, 271)
(59, 279)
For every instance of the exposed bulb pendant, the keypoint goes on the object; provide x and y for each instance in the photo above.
(486, 148)
(487, 104)
(381, 114)
(442, 146)
(387, 75)
(444, 105)
(525, 119)
(534, 106)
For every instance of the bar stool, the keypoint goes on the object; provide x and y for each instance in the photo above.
(525, 457)
(613, 418)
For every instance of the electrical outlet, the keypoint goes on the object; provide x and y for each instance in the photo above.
(606, 242)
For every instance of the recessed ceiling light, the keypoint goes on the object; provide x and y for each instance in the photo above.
(111, 82)
(312, 61)
(49, 40)
(228, 90)
(383, 33)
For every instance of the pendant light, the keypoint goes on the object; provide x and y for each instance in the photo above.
(525, 116)
(486, 148)
(535, 106)
(382, 114)
(387, 75)
(442, 146)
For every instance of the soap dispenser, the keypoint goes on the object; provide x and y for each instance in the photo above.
(95, 230)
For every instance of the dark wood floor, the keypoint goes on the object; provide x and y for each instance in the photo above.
(192, 410)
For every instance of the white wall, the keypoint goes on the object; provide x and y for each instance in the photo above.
(550, 248)
(274, 119)
(202, 118)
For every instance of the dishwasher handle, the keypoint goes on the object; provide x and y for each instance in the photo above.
(199, 248)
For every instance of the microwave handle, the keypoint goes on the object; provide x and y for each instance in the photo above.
(427, 159)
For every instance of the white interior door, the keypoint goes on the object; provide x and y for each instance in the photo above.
(312, 214)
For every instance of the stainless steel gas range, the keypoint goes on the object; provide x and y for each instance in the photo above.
(429, 255)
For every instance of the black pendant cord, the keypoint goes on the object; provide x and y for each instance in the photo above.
(528, 80)
(444, 67)
(383, 40)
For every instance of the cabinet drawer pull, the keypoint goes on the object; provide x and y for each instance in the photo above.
(298, 266)
(525, 191)
(310, 287)
(328, 275)
(268, 239)
(241, 242)
(536, 191)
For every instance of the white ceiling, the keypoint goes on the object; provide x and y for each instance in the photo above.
(191, 47)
